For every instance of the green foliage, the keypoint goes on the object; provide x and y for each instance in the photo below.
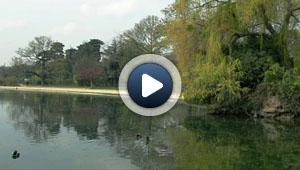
(148, 35)
(273, 77)
(290, 92)
(90, 50)
(254, 63)
(214, 83)
(39, 52)
(255, 33)
(11, 81)
(13, 75)
(286, 85)
(58, 71)
(35, 48)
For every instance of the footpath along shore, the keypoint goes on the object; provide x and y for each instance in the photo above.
(63, 90)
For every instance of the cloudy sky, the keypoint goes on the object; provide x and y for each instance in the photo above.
(68, 21)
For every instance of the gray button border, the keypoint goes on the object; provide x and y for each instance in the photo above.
(143, 59)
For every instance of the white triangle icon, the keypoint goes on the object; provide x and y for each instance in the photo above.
(150, 85)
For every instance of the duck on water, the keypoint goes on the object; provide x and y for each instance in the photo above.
(15, 154)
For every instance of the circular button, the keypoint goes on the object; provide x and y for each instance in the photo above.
(150, 85)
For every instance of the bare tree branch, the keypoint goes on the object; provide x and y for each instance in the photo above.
(34, 73)
(295, 17)
(211, 4)
(296, 9)
(266, 21)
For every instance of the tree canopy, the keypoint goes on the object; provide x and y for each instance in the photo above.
(230, 44)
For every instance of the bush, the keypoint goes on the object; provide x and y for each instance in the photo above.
(11, 81)
(215, 83)
(254, 65)
(273, 79)
(290, 92)
(285, 85)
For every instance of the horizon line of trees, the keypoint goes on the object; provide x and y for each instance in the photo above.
(46, 62)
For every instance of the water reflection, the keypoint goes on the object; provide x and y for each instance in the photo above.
(67, 131)
(41, 117)
(232, 143)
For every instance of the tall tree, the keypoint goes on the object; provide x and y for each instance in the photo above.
(37, 53)
(112, 65)
(148, 35)
(57, 50)
(91, 49)
(88, 56)
(57, 67)
(71, 60)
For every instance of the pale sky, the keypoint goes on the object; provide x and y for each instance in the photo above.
(69, 21)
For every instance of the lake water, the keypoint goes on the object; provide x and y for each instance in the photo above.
(54, 131)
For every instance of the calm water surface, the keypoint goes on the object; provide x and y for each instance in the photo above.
(82, 132)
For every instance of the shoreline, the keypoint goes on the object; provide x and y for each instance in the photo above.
(63, 90)
(115, 93)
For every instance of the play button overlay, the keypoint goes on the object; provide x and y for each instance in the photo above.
(150, 85)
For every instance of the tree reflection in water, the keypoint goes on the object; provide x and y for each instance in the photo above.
(41, 117)
(179, 139)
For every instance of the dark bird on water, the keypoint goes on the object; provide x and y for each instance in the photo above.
(15, 154)
(147, 140)
(138, 137)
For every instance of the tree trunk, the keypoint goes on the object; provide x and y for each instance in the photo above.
(91, 84)
(43, 74)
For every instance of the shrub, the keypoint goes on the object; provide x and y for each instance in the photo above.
(215, 83)
(286, 85)
(11, 81)
(290, 92)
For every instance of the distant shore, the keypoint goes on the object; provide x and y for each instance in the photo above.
(63, 90)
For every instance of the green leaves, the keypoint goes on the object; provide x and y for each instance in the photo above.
(286, 85)
(225, 48)
(214, 83)
(148, 35)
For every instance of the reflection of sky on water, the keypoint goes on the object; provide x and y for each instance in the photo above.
(53, 131)
(62, 150)
(83, 132)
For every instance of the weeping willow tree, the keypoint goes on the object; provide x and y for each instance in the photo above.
(208, 35)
